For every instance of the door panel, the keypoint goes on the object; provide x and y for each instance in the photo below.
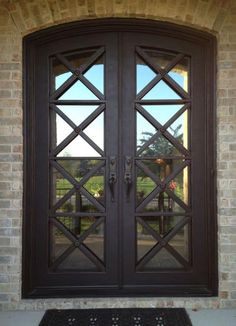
(82, 219)
(119, 153)
(161, 215)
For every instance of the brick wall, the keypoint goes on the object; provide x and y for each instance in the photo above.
(21, 17)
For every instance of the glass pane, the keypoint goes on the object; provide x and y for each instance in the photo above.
(78, 91)
(162, 113)
(59, 73)
(59, 186)
(163, 203)
(144, 130)
(144, 74)
(179, 129)
(162, 168)
(160, 146)
(78, 147)
(78, 168)
(96, 185)
(161, 91)
(163, 224)
(95, 241)
(86, 206)
(77, 113)
(69, 206)
(144, 185)
(79, 59)
(77, 260)
(180, 186)
(59, 243)
(162, 59)
(162, 260)
(96, 74)
(180, 242)
(180, 74)
(144, 241)
(95, 131)
(60, 129)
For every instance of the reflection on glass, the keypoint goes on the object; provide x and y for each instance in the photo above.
(59, 73)
(144, 185)
(160, 145)
(79, 59)
(95, 185)
(77, 113)
(60, 129)
(59, 186)
(162, 260)
(162, 113)
(94, 241)
(79, 261)
(144, 130)
(161, 91)
(78, 147)
(162, 169)
(78, 168)
(95, 131)
(180, 74)
(59, 243)
(144, 74)
(162, 59)
(163, 203)
(179, 129)
(96, 75)
(180, 242)
(78, 92)
(162, 225)
(78, 202)
(145, 241)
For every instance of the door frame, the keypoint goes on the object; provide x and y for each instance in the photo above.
(37, 39)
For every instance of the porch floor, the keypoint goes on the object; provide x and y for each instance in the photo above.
(204, 317)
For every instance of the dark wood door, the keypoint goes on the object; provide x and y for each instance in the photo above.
(120, 163)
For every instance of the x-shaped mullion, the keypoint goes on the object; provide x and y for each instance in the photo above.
(78, 130)
(77, 242)
(71, 179)
(161, 185)
(92, 199)
(162, 242)
(162, 74)
(79, 185)
(78, 75)
(63, 116)
(162, 130)
(91, 143)
(63, 199)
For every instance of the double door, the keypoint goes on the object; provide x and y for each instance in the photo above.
(120, 166)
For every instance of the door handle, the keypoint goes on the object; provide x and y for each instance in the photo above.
(112, 177)
(128, 175)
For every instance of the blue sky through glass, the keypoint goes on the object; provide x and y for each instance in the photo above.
(96, 76)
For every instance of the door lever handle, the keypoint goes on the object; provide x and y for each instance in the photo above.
(112, 177)
(128, 175)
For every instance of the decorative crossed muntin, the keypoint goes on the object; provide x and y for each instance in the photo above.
(161, 185)
(78, 186)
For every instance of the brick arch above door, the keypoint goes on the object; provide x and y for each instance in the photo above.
(29, 16)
